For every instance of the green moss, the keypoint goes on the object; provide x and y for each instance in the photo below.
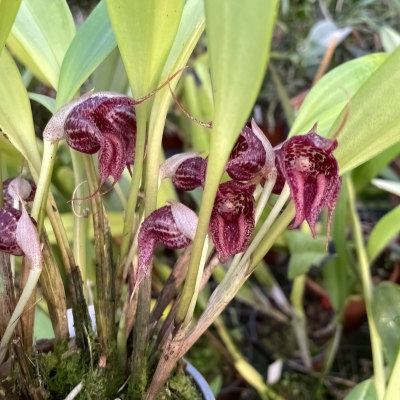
(180, 387)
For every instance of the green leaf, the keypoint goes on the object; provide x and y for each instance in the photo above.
(8, 12)
(145, 31)
(304, 252)
(40, 37)
(45, 101)
(93, 42)
(374, 118)
(239, 49)
(328, 97)
(363, 391)
(363, 174)
(390, 38)
(15, 111)
(384, 231)
(386, 314)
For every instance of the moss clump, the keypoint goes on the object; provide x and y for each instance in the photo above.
(62, 370)
(180, 387)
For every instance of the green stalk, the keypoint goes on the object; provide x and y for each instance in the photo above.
(42, 190)
(195, 270)
(29, 288)
(80, 237)
(141, 122)
(104, 305)
(393, 387)
(299, 319)
(363, 264)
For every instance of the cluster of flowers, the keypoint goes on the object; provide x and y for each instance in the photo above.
(105, 123)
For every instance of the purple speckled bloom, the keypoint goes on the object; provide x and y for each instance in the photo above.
(9, 218)
(307, 164)
(232, 218)
(27, 190)
(106, 125)
(173, 226)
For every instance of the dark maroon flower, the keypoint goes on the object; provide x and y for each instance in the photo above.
(9, 218)
(187, 170)
(26, 190)
(252, 157)
(307, 164)
(106, 125)
(173, 226)
(232, 218)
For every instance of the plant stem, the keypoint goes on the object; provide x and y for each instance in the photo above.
(43, 184)
(393, 387)
(376, 344)
(30, 286)
(104, 306)
(265, 195)
(80, 236)
(299, 320)
(141, 122)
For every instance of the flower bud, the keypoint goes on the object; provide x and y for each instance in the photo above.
(18, 188)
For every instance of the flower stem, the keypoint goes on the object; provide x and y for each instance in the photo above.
(363, 264)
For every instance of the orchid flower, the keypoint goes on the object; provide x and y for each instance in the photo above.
(307, 164)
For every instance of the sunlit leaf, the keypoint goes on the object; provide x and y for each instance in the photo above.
(15, 110)
(239, 49)
(328, 97)
(390, 38)
(386, 314)
(374, 118)
(92, 44)
(145, 31)
(363, 391)
(41, 35)
(8, 12)
(384, 231)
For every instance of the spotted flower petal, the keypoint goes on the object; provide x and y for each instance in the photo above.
(307, 164)
(173, 226)
(232, 218)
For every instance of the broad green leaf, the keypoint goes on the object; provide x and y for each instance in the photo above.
(386, 314)
(145, 31)
(45, 101)
(363, 174)
(93, 42)
(363, 391)
(8, 12)
(389, 186)
(40, 37)
(328, 97)
(374, 118)
(384, 231)
(304, 252)
(390, 38)
(239, 50)
(15, 111)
